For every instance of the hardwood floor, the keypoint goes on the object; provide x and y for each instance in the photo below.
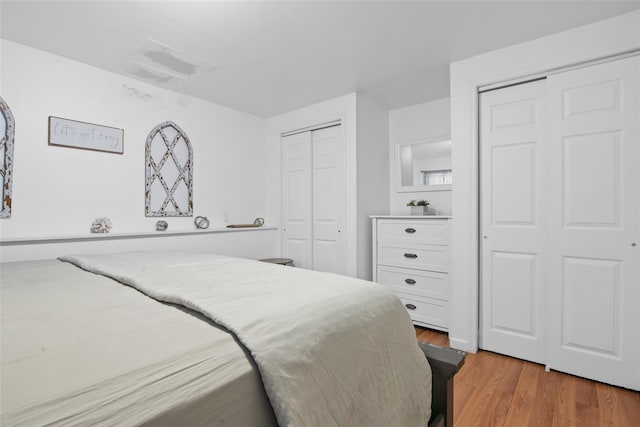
(495, 390)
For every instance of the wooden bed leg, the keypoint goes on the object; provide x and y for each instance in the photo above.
(445, 363)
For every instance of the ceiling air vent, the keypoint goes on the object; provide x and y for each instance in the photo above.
(160, 62)
(145, 72)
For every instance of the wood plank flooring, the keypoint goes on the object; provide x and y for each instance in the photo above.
(494, 390)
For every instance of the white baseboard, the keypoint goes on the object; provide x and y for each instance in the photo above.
(459, 344)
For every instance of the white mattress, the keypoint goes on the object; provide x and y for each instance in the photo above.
(118, 357)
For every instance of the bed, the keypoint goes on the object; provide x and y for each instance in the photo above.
(179, 338)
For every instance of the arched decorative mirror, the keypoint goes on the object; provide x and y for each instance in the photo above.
(424, 165)
(7, 127)
(169, 172)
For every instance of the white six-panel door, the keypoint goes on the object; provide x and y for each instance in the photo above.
(512, 153)
(594, 281)
(560, 221)
(296, 196)
(328, 200)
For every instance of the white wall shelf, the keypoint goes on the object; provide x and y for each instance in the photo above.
(122, 236)
(411, 216)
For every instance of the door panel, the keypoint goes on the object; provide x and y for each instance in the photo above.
(329, 200)
(513, 291)
(580, 329)
(296, 199)
(513, 184)
(594, 300)
(513, 114)
(324, 197)
(297, 250)
(324, 255)
(598, 98)
(512, 188)
(297, 194)
(591, 179)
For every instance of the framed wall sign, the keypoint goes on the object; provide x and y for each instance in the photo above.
(88, 136)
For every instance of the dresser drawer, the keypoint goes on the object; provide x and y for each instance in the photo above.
(426, 311)
(431, 231)
(417, 282)
(420, 257)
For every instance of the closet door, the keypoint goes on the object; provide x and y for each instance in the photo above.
(313, 194)
(594, 237)
(329, 200)
(296, 199)
(512, 194)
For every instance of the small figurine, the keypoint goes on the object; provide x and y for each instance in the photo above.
(201, 222)
(101, 225)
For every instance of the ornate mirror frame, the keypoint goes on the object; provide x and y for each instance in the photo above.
(6, 154)
(169, 172)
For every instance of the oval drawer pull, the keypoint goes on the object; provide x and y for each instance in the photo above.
(409, 281)
(410, 230)
(410, 256)
(410, 306)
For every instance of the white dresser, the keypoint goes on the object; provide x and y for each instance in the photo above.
(411, 256)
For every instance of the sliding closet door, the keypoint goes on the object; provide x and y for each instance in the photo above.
(296, 197)
(594, 237)
(512, 194)
(329, 213)
(313, 194)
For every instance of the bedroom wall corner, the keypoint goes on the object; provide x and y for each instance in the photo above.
(59, 191)
(372, 174)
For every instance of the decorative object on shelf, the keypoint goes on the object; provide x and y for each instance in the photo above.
(201, 222)
(7, 127)
(88, 136)
(161, 225)
(279, 261)
(101, 225)
(169, 172)
(258, 222)
(419, 207)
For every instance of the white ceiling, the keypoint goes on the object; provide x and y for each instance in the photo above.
(272, 57)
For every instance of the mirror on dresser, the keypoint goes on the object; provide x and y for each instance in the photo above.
(424, 165)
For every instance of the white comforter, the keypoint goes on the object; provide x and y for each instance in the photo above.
(331, 350)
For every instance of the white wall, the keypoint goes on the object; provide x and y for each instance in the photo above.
(427, 121)
(372, 175)
(609, 37)
(60, 191)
